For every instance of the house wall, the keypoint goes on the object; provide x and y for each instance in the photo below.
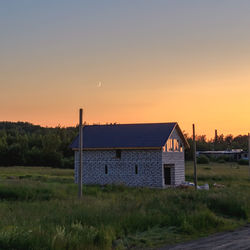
(176, 158)
(121, 171)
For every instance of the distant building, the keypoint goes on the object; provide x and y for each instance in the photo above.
(149, 155)
(234, 154)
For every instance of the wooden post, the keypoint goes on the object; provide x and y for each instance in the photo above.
(80, 157)
(249, 152)
(215, 139)
(194, 156)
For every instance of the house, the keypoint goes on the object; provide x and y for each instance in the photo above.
(150, 155)
(232, 155)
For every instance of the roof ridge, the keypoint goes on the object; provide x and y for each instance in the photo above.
(119, 124)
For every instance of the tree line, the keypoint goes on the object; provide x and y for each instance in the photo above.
(220, 142)
(25, 144)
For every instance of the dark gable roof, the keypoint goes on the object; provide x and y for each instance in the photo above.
(149, 135)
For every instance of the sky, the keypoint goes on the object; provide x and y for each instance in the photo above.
(130, 61)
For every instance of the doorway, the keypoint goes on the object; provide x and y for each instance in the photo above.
(168, 174)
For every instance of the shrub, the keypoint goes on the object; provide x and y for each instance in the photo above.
(34, 157)
(243, 162)
(53, 159)
(223, 159)
(68, 163)
(202, 159)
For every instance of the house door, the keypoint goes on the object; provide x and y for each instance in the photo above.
(168, 168)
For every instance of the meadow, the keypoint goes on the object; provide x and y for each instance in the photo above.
(39, 209)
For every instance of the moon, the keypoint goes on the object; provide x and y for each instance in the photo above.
(99, 84)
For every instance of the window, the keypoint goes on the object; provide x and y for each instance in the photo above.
(181, 147)
(136, 169)
(164, 148)
(176, 145)
(169, 145)
(118, 153)
(173, 145)
(106, 169)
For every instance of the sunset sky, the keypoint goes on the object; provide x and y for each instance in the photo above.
(129, 61)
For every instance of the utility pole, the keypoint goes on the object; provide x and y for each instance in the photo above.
(249, 152)
(194, 156)
(80, 156)
(215, 139)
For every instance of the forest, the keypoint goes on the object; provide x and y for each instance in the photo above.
(25, 144)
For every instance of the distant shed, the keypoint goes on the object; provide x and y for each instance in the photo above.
(234, 154)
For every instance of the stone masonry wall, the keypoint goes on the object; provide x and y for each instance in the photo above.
(121, 171)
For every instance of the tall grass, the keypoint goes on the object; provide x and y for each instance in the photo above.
(44, 213)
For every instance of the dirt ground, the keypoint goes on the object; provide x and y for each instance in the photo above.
(239, 239)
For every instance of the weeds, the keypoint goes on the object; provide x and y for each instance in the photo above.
(44, 213)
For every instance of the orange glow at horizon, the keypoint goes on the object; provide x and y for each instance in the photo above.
(209, 106)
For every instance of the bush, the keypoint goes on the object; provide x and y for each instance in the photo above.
(223, 159)
(243, 162)
(52, 159)
(34, 157)
(202, 159)
(68, 163)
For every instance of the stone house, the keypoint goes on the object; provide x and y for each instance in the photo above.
(149, 155)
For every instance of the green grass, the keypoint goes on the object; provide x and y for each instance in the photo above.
(39, 209)
(231, 174)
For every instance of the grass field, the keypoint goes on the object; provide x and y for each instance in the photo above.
(39, 209)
